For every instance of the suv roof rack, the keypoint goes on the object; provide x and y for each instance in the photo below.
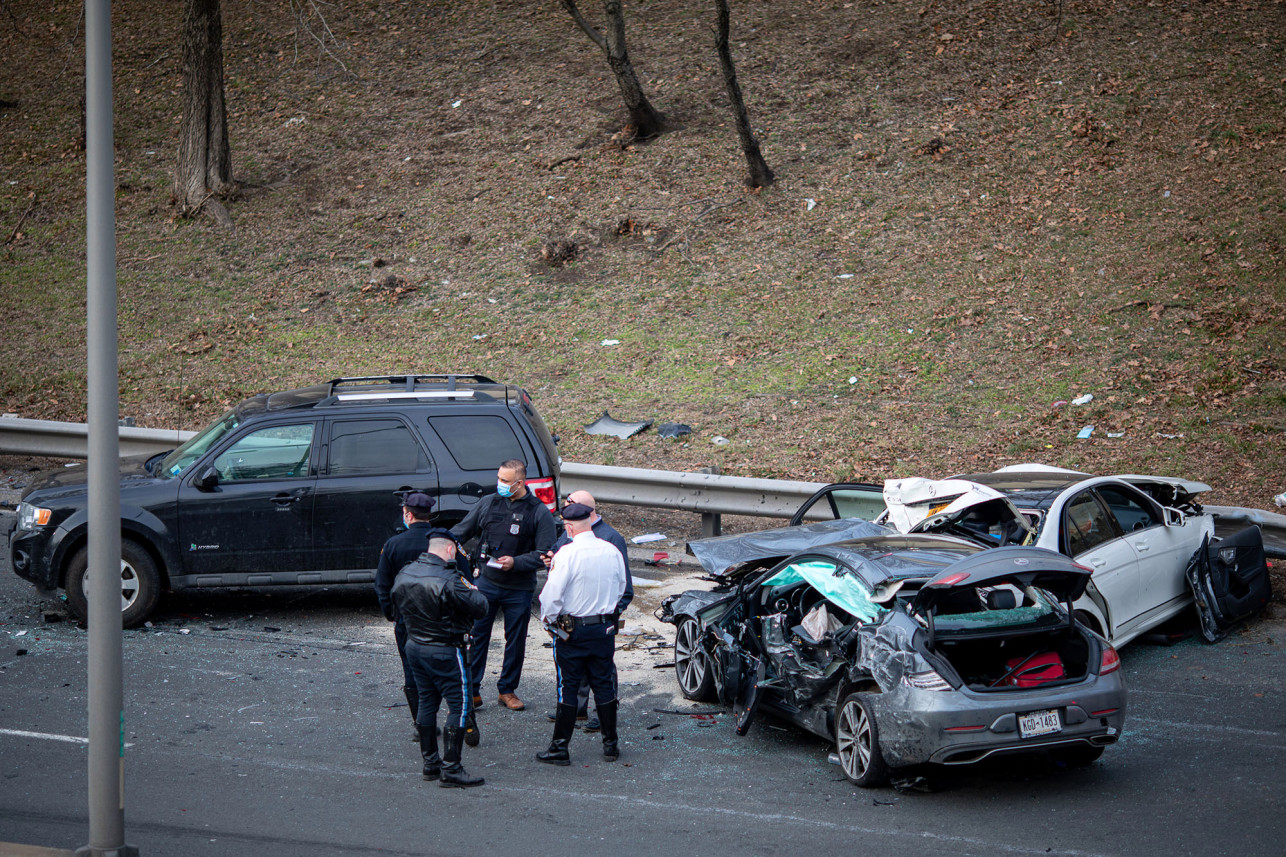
(411, 382)
(340, 398)
(431, 387)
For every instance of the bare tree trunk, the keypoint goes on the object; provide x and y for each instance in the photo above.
(760, 175)
(644, 120)
(204, 169)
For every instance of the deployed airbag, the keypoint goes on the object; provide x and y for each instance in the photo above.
(844, 591)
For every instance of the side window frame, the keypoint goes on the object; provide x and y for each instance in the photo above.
(1105, 522)
(309, 461)
(424, 464)
(1138, 498)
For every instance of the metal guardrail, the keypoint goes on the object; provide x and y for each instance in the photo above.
(709, 494)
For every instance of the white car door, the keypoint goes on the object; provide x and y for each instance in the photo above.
(1163, 551)
(1089, 535)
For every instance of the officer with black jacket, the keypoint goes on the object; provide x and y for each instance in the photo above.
(514, 529)
(438, 605)
(401, 549)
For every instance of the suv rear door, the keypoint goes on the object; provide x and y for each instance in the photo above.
(366, 464)
(477, 443)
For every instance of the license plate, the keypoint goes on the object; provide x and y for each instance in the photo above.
(1038, 723)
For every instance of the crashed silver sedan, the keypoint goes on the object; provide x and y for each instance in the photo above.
(904, 649)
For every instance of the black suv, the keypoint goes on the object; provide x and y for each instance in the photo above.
(300, 487)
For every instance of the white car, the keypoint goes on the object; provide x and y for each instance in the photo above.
(1137, 533)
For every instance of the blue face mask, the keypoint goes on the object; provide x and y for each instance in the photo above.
(504, 489)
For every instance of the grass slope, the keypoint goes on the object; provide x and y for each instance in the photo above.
(982, 210)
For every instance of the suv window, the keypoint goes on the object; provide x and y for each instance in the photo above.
(359, 447)
(1085, 524)
(275, 452)
(1130, 511)
(478, 443)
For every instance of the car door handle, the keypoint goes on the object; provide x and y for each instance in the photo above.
(1142, 547)
(287, 499)
(1098, 563)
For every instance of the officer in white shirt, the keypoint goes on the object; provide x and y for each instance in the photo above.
(578, 608)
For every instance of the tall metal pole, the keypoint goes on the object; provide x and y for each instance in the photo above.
(106, 709)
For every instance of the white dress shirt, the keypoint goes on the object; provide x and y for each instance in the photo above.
(587, 578)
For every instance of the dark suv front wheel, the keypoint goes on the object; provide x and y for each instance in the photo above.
(140, 584)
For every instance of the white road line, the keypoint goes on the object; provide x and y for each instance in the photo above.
(46, 736)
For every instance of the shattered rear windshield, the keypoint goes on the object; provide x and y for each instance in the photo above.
(1032, 608)
(843, 590)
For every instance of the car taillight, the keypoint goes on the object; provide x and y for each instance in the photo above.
(927, 680)
(544, 491)
(1111, 661)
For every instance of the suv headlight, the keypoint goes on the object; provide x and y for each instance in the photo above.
(30, 517)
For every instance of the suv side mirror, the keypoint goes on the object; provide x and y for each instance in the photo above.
(208, 480)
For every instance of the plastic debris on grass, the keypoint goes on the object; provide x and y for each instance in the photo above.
(609, 425)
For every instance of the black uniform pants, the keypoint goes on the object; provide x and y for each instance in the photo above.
(587, 652)
(400, 637)
(440, 674)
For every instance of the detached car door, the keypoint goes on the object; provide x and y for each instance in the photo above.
(257, 517)
(367, 465)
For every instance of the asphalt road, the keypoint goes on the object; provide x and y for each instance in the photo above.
(273, 724)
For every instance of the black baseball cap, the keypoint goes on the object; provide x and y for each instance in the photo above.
(576, 512)
(418, 500)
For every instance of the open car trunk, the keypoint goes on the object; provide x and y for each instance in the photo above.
(1018, 662)
(1002, 620)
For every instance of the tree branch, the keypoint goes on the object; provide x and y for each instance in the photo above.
(595, 35)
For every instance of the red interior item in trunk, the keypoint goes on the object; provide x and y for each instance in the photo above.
(1035, 670)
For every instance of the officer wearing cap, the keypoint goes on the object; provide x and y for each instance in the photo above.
(438, 605)
(578, 608)
(401, 549)
(607, 533)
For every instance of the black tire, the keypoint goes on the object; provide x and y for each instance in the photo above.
(1077, 756)
(140, 584)
(857, 743)
(692, 667)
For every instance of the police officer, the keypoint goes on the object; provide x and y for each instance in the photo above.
(607, 533)
(513, 528)
(578, 607)
(438, 605)
(401, 549)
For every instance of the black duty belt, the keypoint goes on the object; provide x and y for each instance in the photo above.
(600, 619)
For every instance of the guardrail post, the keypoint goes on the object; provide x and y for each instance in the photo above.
(711, 522)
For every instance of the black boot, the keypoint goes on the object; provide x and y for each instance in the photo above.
(428, 736)
(454, 776)
(607, 715)
(413, 702)
(564, 726)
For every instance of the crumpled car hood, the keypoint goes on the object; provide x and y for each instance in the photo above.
(918, 505)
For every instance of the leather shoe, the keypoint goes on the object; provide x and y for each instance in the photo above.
(511, 701)
(592, 725)
(477, 702)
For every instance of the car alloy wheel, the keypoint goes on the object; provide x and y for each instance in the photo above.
(691, 666)
(857, 742)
